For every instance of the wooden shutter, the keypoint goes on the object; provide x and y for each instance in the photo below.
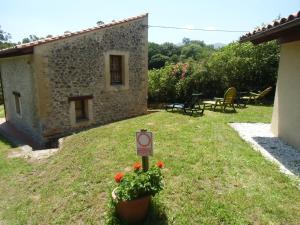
(116, 69)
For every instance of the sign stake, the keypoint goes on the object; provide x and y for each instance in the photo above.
(145, 159)
(145, 163)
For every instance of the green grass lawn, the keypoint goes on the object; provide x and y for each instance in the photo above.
(211, 175)
(1, 111)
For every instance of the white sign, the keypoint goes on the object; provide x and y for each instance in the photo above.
(144, 143)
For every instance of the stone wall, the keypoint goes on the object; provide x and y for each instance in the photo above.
(17, 76)
(75, 66)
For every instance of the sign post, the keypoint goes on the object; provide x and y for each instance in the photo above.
(144, 147)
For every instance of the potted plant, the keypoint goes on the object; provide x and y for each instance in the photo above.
(133, 194)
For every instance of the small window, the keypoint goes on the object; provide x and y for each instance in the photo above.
(80, 106)
(17, 96)
(80, 112)
(116, 69)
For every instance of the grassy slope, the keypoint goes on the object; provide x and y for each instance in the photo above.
(1, 111)
(211, 175)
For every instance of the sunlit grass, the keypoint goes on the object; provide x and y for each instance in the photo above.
(211, 175)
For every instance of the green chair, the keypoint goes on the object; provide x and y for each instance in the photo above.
(256, 97)
(193, 104)
(228, 100)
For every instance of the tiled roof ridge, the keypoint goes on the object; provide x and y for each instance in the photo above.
(274, 24)
(70, 34)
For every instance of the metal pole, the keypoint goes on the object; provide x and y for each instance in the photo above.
(145, 159)
(145, 163)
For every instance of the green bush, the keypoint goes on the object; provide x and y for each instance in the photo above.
(244, 66)
(171, 82)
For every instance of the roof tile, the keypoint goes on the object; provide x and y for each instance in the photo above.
(275, 23)
(58, 37)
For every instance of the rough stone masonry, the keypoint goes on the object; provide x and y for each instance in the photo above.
(76, 66)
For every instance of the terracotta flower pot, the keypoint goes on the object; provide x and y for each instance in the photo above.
(133, 211)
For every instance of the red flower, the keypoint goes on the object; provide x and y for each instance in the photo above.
(160, 164)
(119, 177)
(137, 166)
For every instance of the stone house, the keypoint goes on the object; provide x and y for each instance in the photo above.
(286, 111)
(58, 85)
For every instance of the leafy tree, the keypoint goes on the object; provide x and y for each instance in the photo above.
(4, 39)
(157, 61)
(31, 38)
(169, 49)
(186, 41)
(196, 50)
(100, 22)
(4, 36)
(245, 66)
(153, 49)
(189, 50)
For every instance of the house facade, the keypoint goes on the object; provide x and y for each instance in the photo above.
(59, 85)
(286, 111)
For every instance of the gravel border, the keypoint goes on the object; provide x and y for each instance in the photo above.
(260, 137)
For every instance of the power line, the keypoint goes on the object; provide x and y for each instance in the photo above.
(199, 29)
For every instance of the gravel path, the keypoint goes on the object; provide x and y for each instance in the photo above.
(274, 149)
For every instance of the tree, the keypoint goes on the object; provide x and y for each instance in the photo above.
(4, 39)
(153, 49)
(157, 61)
(100, 22)
(186, 41)
(245, 66)
(169, 49)
(31, 38)
(4, 36)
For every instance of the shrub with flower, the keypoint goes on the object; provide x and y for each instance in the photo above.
(138, 183)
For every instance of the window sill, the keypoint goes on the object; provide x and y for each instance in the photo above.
(82, 121)
(117, 87)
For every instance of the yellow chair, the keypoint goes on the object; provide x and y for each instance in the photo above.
(255, 97)
(228, 100)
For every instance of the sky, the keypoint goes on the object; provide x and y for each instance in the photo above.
(24, 17)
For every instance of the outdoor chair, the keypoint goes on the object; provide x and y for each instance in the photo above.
(241, 103)
(193, 104)
(228, 100)
(255, 97)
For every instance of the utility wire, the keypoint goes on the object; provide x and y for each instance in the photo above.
(200, 29)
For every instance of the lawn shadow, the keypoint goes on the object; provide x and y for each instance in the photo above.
(266, 104)
(288, 156)
(221, 111)
(188, 113)
(7, 142)
(156, 214)
(150, 111)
